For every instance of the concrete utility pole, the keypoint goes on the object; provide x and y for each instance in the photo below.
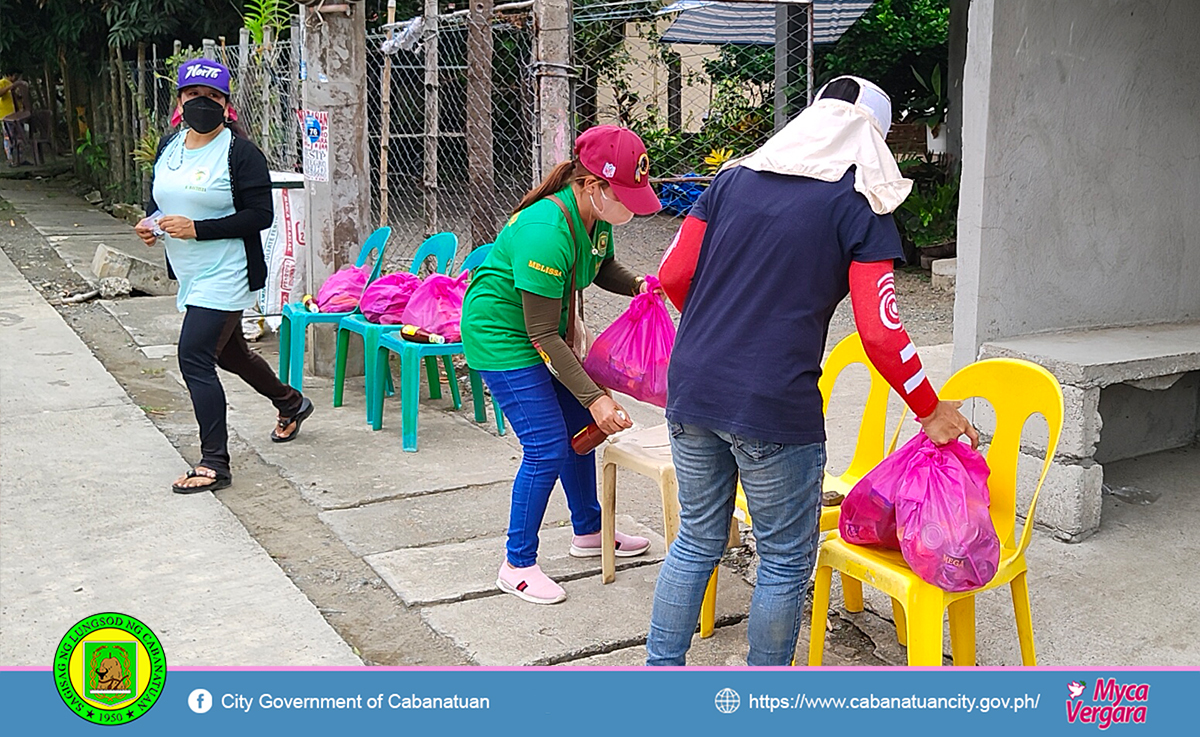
(552, 54)
(338, 209)
(480, 164)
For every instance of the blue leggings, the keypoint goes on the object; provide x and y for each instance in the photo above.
(545, 416)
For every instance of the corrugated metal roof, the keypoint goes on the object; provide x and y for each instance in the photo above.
(708, 22)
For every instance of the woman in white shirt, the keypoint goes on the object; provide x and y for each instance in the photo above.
(211, 199)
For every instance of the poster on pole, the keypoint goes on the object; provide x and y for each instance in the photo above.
(283, 242)
(314, 125)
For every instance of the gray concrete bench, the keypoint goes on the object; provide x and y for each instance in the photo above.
(1141, 385)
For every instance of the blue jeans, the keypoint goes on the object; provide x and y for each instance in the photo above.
(783, 491)
(545, 416)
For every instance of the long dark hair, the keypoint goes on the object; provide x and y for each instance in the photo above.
(558, 178)
(236, 128)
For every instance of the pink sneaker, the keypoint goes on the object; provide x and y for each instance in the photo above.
(529, 584)
(588, 546)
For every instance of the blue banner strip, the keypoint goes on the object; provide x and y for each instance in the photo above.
(607, 702)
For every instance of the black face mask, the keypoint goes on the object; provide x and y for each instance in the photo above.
(203, 114)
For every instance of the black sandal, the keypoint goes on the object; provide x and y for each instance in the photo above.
(218, 481)
(306, 409)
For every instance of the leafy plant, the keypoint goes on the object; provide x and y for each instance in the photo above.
(717, 158)
(93, 153)
(938, 103)
(145, 151)
(892, 38)
(260, 15)
(131, 21)
(929, 217)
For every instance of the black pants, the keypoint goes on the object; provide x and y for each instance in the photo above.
(212, 338)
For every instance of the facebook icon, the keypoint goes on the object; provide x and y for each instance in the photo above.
(200, 701)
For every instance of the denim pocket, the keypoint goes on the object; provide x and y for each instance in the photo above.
(758, 450)
(674, 428)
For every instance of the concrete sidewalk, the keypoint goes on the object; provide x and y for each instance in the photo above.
(87, 524)
(431, 524)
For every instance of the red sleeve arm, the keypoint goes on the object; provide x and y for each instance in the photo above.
(679, 262)
(873, 296)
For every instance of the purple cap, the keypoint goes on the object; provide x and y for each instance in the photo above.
(204, 72)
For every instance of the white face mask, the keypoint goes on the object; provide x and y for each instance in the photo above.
(619, 215)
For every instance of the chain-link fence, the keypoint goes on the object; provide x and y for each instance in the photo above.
(700, 83)
(266, 94)
(435, 181)
(133, 102)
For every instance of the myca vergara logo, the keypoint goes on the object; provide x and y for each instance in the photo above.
(1112, 703)
(109, 668)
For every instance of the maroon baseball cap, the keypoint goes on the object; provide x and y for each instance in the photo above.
(618, 156)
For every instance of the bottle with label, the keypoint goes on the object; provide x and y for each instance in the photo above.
(414, 334)
(310, 303)
(590, 438)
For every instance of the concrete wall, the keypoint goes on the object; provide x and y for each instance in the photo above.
(649, 78)
(1080, 202)
(1140, 421)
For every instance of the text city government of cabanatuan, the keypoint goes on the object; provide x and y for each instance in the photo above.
(378, 701)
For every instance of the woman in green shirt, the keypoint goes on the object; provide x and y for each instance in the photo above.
(514, 323)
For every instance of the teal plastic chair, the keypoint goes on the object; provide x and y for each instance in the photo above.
(443, 247)
(410, 375)
(293, 331)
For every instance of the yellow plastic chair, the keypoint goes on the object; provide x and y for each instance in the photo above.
(870, 448)
(1016, 390)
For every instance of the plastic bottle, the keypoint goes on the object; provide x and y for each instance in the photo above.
(310, 303)
(590, 437)
(414, 334)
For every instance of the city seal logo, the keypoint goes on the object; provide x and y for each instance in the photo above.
(109, 668)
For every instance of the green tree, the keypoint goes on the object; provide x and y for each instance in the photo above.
(889, 42)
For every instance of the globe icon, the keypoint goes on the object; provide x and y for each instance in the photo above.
(728, 701)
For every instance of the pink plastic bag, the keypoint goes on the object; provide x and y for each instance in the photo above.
(868, 514)
(342, 290)
(946, 532)
(436, 305)
(631, 356)
(384, 301)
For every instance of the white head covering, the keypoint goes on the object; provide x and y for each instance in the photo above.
(833, 134)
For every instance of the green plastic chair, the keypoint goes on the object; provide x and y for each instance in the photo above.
(410, 375)
(293, 331)
(443, 247)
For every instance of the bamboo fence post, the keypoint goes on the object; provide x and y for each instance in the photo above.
(242, 93)
(128, 165)
(267, 66)
(112, 121)
(432, 125)
(71, 116)
(385, 123)
(143, 117)
(480, 157)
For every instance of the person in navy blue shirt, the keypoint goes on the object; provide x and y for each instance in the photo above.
(757, 270)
